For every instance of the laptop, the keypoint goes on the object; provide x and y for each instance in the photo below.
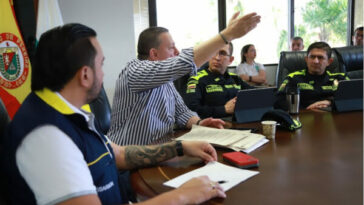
(349, 96)
(252, 104)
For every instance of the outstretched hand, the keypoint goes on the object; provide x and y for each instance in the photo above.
(239, 26)
(199, 149)
(212, 122)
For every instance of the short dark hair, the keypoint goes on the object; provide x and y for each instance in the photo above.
(320, 45)
(149, 39)
(296, 38)
(244, 50)
(358, 29)
(61, 52)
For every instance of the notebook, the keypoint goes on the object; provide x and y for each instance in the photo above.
(349, 95)
(252, 104)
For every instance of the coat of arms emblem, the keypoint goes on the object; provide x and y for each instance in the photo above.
(14, 61)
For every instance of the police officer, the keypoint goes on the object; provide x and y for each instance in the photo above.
(212, 93)
(315, 83)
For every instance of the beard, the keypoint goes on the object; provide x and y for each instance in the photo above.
(94, 92)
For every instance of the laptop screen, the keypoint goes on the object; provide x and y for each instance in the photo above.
(349, 95)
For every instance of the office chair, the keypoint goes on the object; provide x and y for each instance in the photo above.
(100, 107)
(351, 58)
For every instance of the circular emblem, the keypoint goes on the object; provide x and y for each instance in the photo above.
(14, 61)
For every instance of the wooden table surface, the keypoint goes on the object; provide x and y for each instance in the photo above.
(321, 163)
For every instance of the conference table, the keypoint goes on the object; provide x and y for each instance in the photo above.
(321, 163)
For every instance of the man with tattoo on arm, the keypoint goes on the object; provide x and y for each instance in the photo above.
(54, 154)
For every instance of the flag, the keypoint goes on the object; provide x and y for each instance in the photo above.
(49, 16)
(26, 17)
(15, 68)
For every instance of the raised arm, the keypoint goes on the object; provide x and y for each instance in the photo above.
(144, 74)
(238, 27)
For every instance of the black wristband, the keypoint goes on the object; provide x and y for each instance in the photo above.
(179, 148)
(250, 78)
(224, 38)
(198, 122)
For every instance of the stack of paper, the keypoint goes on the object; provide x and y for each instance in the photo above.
(231, 177)
(235, 139)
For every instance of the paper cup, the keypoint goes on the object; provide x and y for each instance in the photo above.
(269, 129)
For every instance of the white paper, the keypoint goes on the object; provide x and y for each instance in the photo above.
(235, 139)
(260, 143)
(232, 175)
(214, 135)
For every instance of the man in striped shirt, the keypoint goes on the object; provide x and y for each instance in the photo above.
(146, 105)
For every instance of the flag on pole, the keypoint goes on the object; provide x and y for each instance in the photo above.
(49, 16)
(15, 68)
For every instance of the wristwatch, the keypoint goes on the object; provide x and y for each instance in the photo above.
(179, 148)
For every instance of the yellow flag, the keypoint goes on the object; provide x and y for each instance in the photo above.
(15, 68)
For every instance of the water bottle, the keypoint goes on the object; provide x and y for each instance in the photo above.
(293, 99)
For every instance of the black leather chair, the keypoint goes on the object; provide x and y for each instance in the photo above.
(100, 107)
(351, 58)
(291, 61)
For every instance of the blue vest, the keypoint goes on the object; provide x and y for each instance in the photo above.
(45, 107)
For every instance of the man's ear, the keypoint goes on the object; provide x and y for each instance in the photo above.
(231, 59)
(85, 76)
(330, 61)
(153, 54)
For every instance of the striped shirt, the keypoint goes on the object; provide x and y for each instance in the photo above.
(146, 104)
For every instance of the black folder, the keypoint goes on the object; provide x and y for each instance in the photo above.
(252, 104)
(349, 96)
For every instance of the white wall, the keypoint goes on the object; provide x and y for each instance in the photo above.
(114, 24)
(358, 17)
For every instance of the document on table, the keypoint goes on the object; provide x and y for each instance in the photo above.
(235, 139)
(232, 175)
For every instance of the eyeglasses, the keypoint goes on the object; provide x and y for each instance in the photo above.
(222, 53)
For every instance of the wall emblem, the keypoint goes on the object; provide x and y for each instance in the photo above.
(14, 61)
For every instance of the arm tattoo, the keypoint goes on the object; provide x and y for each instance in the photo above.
(142, 156)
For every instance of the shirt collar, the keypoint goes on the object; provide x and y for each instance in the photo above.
(59, 103)
(215, 74)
